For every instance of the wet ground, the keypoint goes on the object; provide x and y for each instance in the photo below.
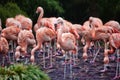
(82, 71)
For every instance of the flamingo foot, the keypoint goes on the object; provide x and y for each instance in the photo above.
(85, 60)
(64, 63)
(33, 63)
(44, 67)
(116, 78)
(54, 55)
(103, 71)
(92, 62)
(77, 59)
(50, 67)
(18, 60)
(75, 65)
(112, 58)
(47, 57)
(11, 63)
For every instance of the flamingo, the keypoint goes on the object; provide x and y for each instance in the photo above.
(95, 22)
(89, 35)
(4, 47)
(81, 29)
(113, 24)
(11, 34)
(101, 33)
(43, 34)
(25, 38)
(12, 22)
(46, 22)
(43, 21)
(97, 32)
(26, 23)
(69, 27)
(114, 42)
(67, 42)
(110, 27)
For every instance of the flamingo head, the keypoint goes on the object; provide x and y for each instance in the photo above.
(90, 19)
(39, 9)
(58, 22)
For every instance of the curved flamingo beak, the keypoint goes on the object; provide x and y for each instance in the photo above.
(36, 11)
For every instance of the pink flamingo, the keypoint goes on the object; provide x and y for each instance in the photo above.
(11, 34)
(12, 22)
(44, 22)
(114, 42)
(67, 42)
(44, 33)
(25, 39)
(4, 47)
(26, 23)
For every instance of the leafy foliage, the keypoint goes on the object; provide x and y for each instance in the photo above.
(51, 8)
(22, 72)
(9, 10)
(76, 11)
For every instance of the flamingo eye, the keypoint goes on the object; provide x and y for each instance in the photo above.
(90, 26)
(55, 26)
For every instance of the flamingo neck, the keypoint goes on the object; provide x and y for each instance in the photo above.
(59, 34)
(93, 32)
(41, 11)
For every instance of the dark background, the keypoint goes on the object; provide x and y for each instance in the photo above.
(76, 11)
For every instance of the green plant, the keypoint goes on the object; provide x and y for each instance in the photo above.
(22, 72)
(9, 10)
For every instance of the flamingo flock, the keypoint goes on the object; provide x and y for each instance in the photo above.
(65, 35)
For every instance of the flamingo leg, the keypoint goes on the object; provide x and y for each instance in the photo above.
(9, 58)
(71, 66)
(117, 66)
(96, 53)
(14, 46)
(54, 47)
(85, 48)
(76, 56)
(51, 64)
(47, 46)
(106, 64)
(26, 60)
(65, 66)
(17, 54)
(3, 61)
(74, 62)
(11, 50)
(44, 66)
